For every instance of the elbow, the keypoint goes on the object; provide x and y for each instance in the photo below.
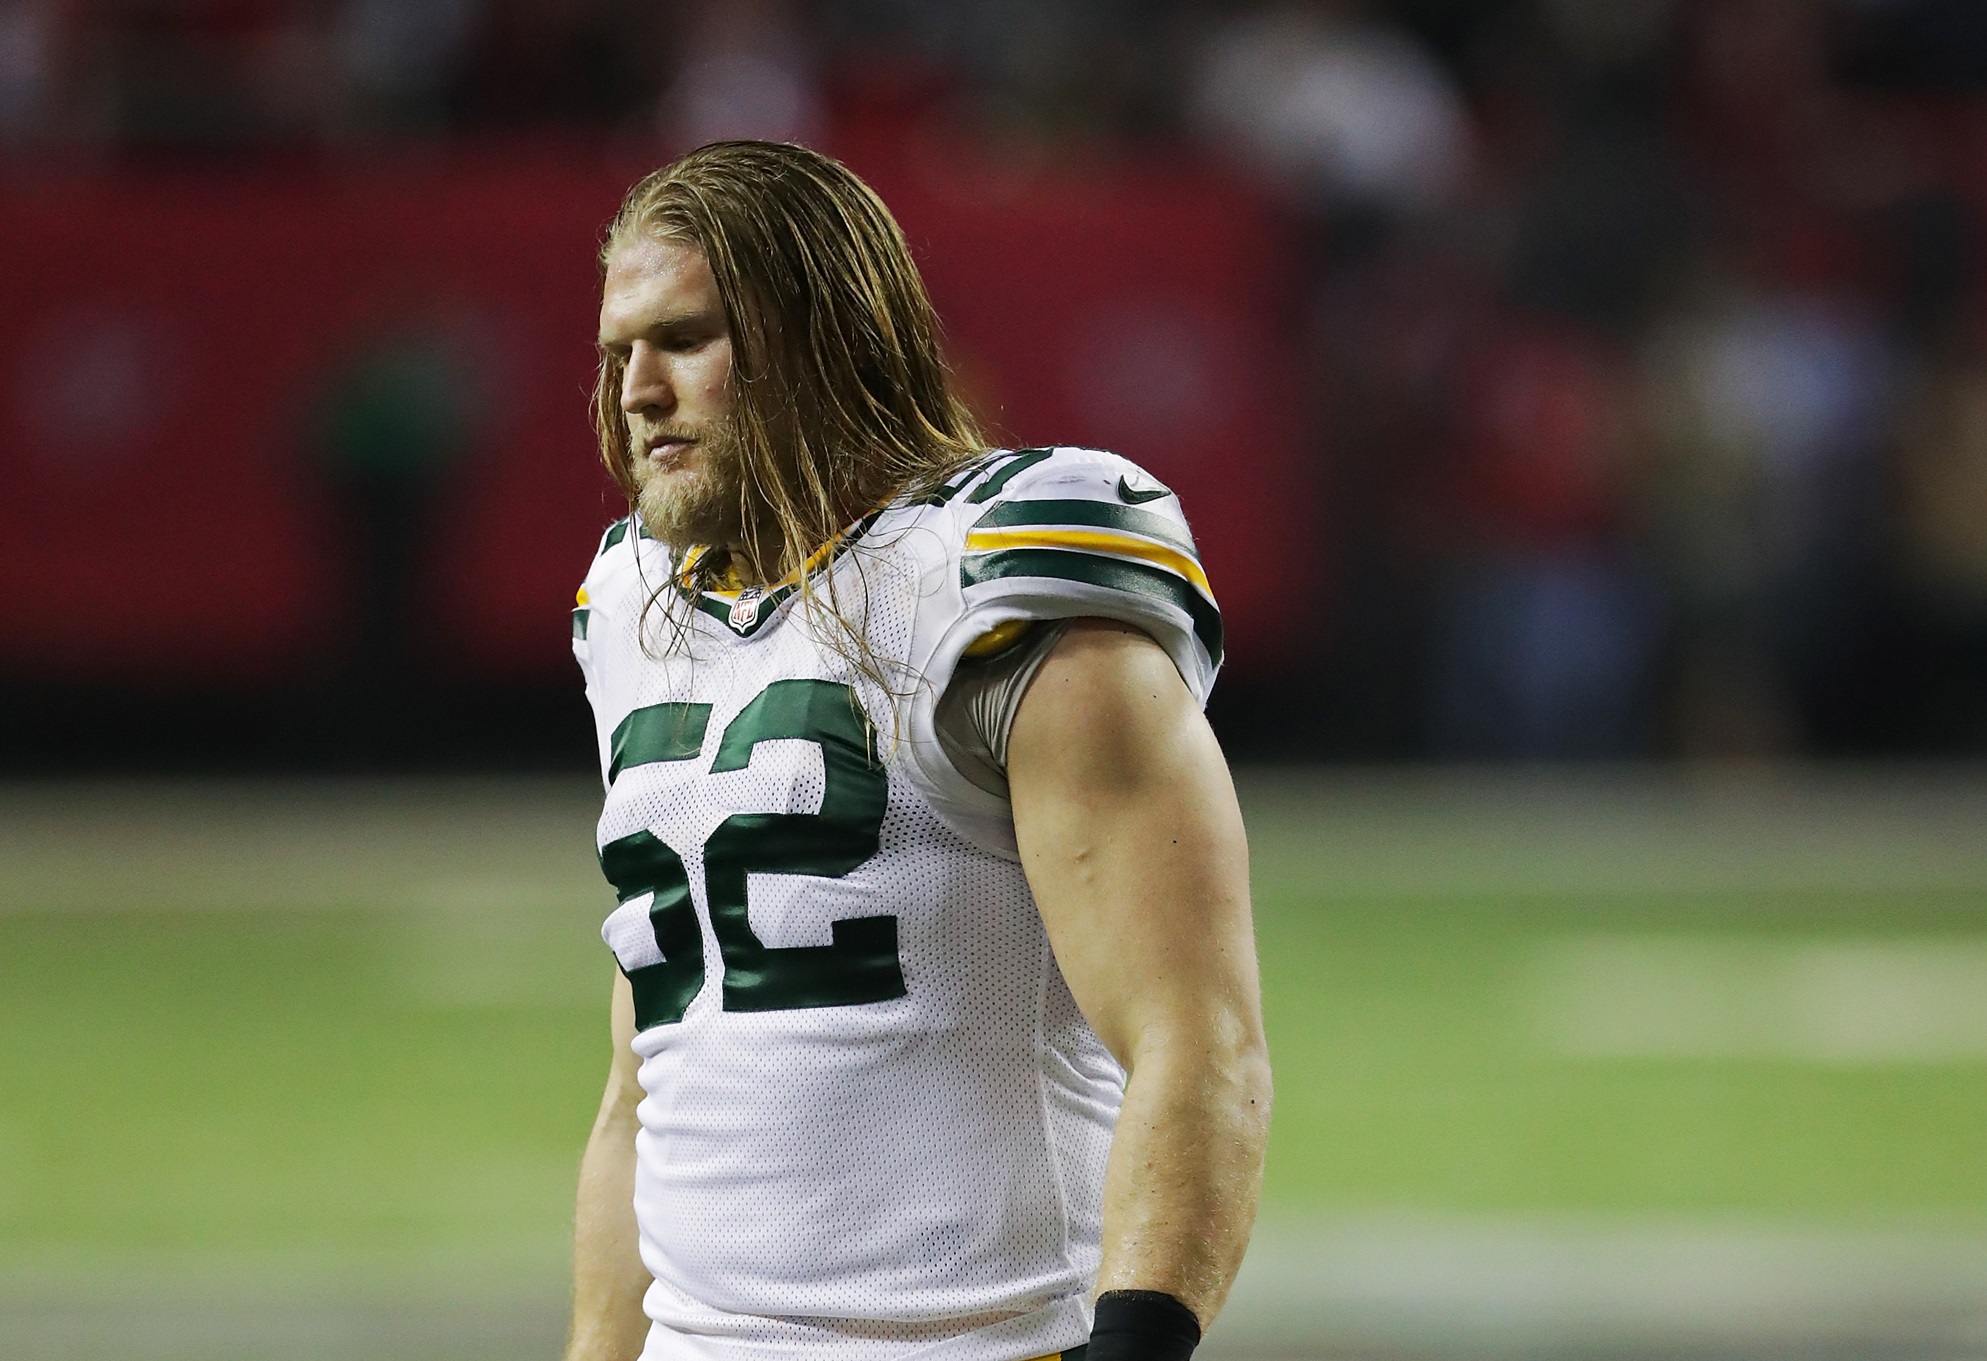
(1243, 1049)
(1255, 1084)
(1241, 1072)
(1258, 1085)
(1222, 1055)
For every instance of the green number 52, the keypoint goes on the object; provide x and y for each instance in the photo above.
(861, 964)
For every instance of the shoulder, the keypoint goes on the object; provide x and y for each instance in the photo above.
(614, 536)
(1070, 469)
(1008, 492)
(1078, 500)
(623, 558)
(1004, 474)
(1061, 533)
(1069, 532)
(626, 573)
(1029, 536)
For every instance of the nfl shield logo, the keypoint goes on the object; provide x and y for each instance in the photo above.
(745, 609)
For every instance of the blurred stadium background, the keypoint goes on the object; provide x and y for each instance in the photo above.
(1582, 405)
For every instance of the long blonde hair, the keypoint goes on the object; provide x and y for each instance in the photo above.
(841, 398)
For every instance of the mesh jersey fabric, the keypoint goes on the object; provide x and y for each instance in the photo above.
(874, 1121)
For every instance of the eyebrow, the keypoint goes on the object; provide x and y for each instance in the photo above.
(674, 321)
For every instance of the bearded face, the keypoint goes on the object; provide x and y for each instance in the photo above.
(663, 321)
(688, 485)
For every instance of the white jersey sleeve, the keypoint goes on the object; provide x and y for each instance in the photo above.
(1043, 534)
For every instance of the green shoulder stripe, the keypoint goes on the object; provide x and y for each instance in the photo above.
(1023, 460)
(939, 495)
(1136, 578)
(1099, 513)
(615, 533)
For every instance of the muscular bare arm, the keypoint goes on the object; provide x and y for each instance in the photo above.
(1133, 844)
(608, 1277)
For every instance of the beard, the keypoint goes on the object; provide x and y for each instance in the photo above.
(681, 507)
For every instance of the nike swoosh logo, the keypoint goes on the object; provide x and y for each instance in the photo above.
(1135, 497)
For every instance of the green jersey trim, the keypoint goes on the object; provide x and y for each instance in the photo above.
(1091, 569)
(1021, 462)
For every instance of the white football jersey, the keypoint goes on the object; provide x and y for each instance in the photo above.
(875, 1123)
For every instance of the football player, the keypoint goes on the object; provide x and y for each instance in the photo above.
(937, 1030)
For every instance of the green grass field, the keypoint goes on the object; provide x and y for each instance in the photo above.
(364, 1026)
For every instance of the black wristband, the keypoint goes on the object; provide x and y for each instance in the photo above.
(1142, 1325)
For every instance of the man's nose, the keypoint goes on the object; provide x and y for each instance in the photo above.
(646, 386)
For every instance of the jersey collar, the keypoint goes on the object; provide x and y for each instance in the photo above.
(746, 609)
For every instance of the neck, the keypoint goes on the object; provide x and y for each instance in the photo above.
(762, 570)
(732, 562)
(750, 571)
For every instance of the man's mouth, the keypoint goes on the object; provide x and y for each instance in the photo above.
(663, 450)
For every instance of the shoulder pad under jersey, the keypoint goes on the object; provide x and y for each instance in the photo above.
(1062, 533)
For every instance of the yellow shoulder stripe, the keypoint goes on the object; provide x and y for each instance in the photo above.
(989, 540)
(579, 597)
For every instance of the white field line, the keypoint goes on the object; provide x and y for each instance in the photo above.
(1827, 1000)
